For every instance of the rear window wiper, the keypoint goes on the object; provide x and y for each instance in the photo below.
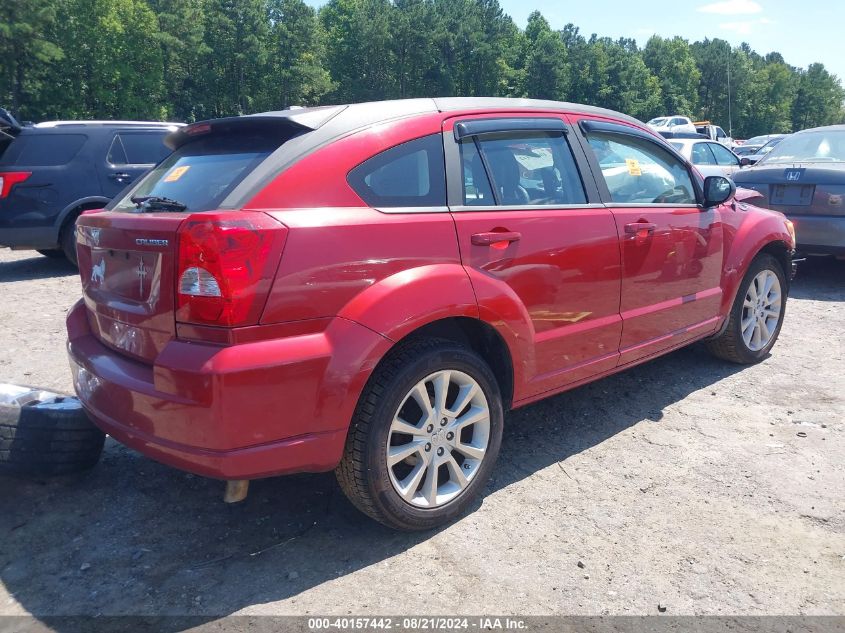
(158, 202)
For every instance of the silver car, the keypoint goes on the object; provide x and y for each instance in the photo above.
(709, 157)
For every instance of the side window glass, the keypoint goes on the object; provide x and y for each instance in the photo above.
(412, 174)
(638, 171)
(144, 148)
(117, 153)
(526, 169)
(724, 156)
(477, 191)
(701, 155)
(48, 150)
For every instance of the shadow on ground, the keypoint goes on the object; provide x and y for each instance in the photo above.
(136, 537)
(36, 267)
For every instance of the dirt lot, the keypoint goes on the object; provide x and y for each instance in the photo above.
(687, 483)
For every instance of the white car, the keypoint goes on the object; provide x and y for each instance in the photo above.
(709, 157)
(674, 124)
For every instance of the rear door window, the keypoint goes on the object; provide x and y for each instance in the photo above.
(525, 168)
(202, 173)
(412, 174)
(45, 150)
(137, 148)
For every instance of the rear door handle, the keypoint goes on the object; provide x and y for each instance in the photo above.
(640, 229)
(495, 237)
(120, 176)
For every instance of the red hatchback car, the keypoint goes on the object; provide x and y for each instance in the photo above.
(368, 288)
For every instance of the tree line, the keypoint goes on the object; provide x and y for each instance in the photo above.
(187, 60)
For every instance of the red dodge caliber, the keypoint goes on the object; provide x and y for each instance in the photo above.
(368, 288)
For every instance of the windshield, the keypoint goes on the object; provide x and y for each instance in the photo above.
(821, 146)
(658, 122)
(200, 174)
(678, 146)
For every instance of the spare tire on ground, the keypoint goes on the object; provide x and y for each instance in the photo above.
(44, 433)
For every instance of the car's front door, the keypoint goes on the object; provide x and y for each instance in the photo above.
(725, 158)
(532, 232)
(671, 246)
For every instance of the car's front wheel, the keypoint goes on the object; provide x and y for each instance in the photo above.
(756, 315)
(425, 436)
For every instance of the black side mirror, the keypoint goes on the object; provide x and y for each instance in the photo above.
(745, 161)
(718, 190)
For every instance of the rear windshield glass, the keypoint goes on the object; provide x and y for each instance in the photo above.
(822, 146)
(201, 174)
(44, 150)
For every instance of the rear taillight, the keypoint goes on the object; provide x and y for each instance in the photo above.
(226, 266)
(9, 179)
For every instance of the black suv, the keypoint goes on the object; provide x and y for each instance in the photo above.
(51, 172)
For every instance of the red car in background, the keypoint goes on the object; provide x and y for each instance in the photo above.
(368, 288)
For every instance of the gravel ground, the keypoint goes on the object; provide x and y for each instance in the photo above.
(688, 483)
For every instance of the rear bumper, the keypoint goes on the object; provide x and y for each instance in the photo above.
(819, 234)
(238, 412)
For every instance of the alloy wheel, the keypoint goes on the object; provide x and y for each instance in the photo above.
(761, 310)
(438, 439)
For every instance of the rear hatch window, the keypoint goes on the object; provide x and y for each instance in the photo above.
(202, 173)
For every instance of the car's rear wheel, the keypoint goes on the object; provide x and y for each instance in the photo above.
(424, 437)
(757, 314)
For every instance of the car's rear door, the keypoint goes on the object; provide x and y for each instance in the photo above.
(532, 232)
(129, 154)
(671, 246)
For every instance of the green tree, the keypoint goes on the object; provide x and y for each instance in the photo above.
(109, 69)
(360, 56)
(546, 70)
(181, 29)
(25, 52)
(234, 56)
(672, 63)
(296, 47)
(818, 100)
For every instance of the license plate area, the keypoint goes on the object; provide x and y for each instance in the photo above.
(793, 195)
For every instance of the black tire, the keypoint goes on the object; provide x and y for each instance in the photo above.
(730, 345)
(55, 253)
(363, 472)
(48, 438)
(68, 240)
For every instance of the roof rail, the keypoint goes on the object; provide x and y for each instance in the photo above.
(48, 124)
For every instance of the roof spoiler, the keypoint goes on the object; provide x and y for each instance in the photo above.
(294, 121)
(9, 125)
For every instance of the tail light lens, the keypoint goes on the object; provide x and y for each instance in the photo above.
(9, 179)
(226, 265)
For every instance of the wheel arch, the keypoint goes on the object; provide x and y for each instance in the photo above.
(75, 208)
(480, 337)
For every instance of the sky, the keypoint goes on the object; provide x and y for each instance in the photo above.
(804, 31)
